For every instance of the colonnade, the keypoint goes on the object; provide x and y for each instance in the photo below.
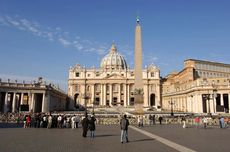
(112, 94)
(198, 103)
(13, 101)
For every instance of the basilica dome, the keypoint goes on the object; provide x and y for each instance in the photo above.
(113, 60)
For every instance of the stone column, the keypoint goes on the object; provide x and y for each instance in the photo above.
(110, 94)
(101, 94)
(191, 104)
(194, 103)
(147, 102)
(22, 95)
(214, 103)
(84, 94)
(221, 100)
(199, 106)
(105, 94)
(158, 95)
(5, 103)
(128, 94)
(228, 103)
(145, 95)
(125, 95)
(32, 104)
(44, 103)
(93, 95)
(14, 102)
(119, 93)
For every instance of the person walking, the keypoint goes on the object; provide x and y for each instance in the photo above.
(85, 125)
(73, 120)
(59, 120)
(49, 121)
(77, 120)
(140, 121)
(205, 122)
(124, 123)
(197, 121)
(160, 119)
(154, 119)
(92, 126)
(222, 125)
(183, 121)
(150, 119)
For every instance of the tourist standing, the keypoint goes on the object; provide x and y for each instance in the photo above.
(160, 119)
(150, 119)
(197, 121)
(124, 123)
(140, 121)
(49, 121)
(222, 122)
(77, 120)
(154, 119)
(205, 122)
(85, 125)
(183, 121)
(92, 126)
(28, 121)
(59, 120)
(24, 121)
(44, 121)
(73, 120)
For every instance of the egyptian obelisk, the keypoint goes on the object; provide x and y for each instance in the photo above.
(138, 82)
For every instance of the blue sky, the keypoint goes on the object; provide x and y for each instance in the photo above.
(46, 37)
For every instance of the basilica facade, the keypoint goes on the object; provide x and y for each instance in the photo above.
(113, 83)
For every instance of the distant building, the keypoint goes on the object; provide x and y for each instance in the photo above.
(201, 87)
(31, 97)
(112, 84)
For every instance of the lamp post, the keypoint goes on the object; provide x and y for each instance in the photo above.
(171, 103)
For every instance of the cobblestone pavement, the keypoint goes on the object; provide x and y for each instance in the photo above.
(67, 140)
(212, 139)
(13, 139)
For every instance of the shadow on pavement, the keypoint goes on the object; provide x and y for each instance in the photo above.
(106, 135)
(139, 140)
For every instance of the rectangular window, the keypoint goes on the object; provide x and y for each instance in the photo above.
(77, 74)
(152, 74)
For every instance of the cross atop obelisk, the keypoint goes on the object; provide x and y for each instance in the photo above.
(138, 83)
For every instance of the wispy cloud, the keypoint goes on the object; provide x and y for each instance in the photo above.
(64, 42)
(151, 59)
(56, 34)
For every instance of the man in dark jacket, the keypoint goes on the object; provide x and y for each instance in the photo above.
(85, 125)
(92, 126)
(124, 123)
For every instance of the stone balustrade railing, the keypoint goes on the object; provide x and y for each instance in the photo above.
(115, 120)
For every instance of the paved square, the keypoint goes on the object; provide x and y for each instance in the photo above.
(13, 139)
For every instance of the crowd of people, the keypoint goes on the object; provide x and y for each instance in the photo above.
(65, 120)
(41, 120)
